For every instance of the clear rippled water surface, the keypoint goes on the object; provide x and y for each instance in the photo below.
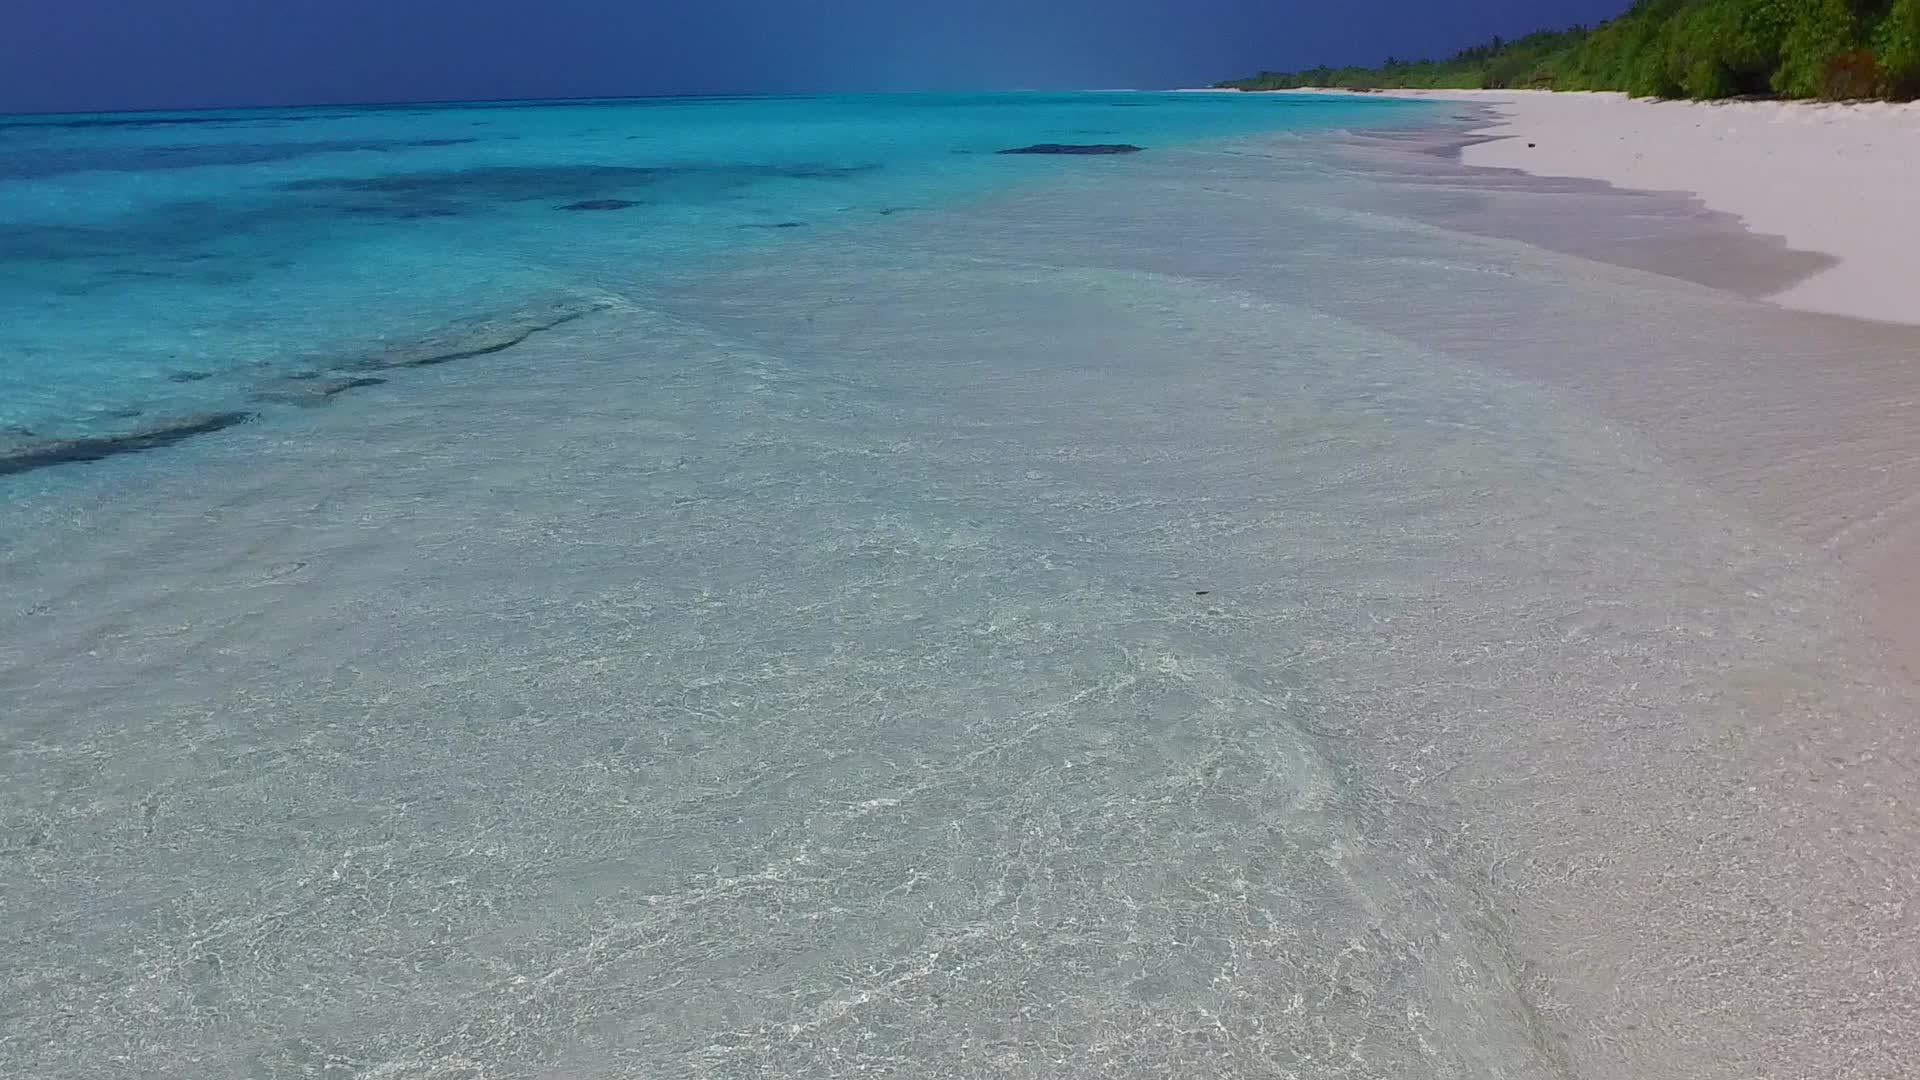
(1162, 615)
(155, 268)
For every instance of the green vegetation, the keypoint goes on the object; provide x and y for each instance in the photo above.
(1830, 49)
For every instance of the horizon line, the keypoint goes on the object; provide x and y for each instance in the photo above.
(586, 99)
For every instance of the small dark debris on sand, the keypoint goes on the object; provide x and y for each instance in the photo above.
(1075, 149)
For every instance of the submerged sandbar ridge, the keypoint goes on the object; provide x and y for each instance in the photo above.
(304, 389)
(96, 447)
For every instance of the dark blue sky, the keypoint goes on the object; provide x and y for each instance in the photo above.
(115, 54)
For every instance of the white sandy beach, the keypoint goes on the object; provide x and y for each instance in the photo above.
(1838, 179)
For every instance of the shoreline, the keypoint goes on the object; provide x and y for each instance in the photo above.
(1829, 178)
(1811, 438)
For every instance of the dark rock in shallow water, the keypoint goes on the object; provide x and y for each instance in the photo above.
(307, 389)
(1076, 149)
(481, 338)
(600, 204)
(96, 447)
(591, 186)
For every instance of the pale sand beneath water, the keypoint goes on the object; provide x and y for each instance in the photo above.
(1137, 626)
(1835, 179)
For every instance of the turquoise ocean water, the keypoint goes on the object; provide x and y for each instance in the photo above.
(858, 605)
(158, 268)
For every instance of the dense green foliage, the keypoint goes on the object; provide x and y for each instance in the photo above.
(1897, 44)
(1834, 49)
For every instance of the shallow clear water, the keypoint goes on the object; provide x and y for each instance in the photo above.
(1128, 624)
(158, 266)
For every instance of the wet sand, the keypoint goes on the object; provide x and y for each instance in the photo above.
(1832, 178)
(1813, 433)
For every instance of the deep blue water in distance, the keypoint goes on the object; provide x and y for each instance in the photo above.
(160, 267)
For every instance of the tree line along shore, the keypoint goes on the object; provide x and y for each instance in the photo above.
(1833, 50)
